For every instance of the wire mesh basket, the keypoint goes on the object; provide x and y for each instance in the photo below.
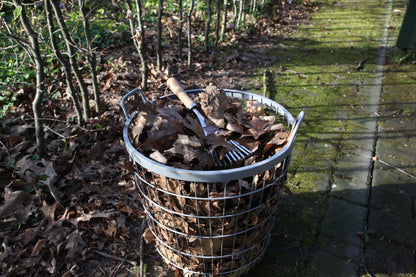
(213, 222)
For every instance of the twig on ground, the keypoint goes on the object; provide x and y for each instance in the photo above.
(110, 256)
(37, 231)
(398, 169)
(55, 132)
(142, 273)
(361, 64)
(114, 271)
(7, 150)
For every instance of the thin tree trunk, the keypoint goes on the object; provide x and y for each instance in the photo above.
(72, 53)
(190, 33)
(240, 15)
(90, 56)
(159, 37)
(40, 76)
(253, 9)
(217, 22)
(180, 29)
(64, 62)
(207, 27)
(235, 15)
(141, 44)
(224, 20)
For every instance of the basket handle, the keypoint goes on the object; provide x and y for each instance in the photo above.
(295, 127)
(125, 97)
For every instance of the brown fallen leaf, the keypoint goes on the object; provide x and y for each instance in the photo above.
(38, 247)
(75, 244)
(257, 127)
(12, 201)
(148, 236)
(43, 171)
(49, 211)
(232, 124)
(254, 108)
(89, 216)
(157, 156)
(213, 102)
(137, 129)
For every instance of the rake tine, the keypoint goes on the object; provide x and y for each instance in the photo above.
(217, 161)
(231, 156)
(242, 148)
(238, 155)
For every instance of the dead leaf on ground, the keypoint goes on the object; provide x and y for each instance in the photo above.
(75, 244)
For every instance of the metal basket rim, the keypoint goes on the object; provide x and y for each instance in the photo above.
(222, 175)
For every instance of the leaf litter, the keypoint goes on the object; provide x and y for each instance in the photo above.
(170, 134)
(40, 230)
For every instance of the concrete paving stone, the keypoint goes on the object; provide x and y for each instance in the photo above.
(397, 124)
(327, 265)
(383, 256)
(398, 151)
(322, 183)
(392, 191)
(363, 140)
(328, 137)
(371, 88)
(394, 227)
(350, 190)
(351, 178)
(365, 155)
(344, 220)
(396, 103)
(365, 143)
(340, 249)
(354, 167)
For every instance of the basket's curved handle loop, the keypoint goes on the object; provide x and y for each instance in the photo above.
(125, 97)
(295, 127)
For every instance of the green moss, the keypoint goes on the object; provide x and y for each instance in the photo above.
(316, 71)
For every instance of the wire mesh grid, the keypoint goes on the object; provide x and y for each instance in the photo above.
(215, 222)
(211, 228)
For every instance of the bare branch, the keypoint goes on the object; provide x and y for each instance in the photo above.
(72, 54)
(64, 62)
(35, 48)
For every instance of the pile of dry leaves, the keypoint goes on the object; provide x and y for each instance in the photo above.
(170, 134)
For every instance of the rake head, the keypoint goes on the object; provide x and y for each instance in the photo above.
(240, 152)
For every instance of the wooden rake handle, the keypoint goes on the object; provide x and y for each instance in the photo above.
(178, 90)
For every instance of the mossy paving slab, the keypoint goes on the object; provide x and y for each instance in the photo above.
(393, 191)
(385, 257)
(350, 181)
(328, 265)
(393, 227)
(344, 220)
(339, 248)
